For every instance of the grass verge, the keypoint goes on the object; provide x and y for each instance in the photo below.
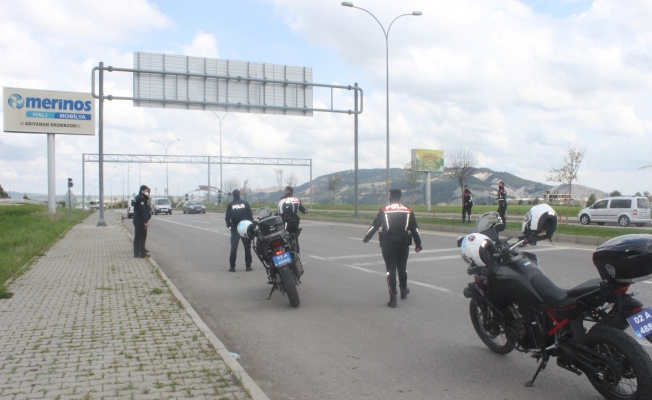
(27, 231)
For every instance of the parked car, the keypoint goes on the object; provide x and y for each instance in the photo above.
(162, 206)
(622, 210)
(130, 208)
(95, 205)
(194, 206)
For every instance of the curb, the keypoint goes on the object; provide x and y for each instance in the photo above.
(247, 382)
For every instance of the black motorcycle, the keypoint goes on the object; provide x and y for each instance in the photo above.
(514, 305)
(277, 250)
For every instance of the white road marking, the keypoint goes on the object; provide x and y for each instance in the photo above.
(535, 250)
(197, 227)
(379, 254)
(441, 289)
(647, 282)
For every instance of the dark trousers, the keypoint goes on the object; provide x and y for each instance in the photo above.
(501, 211)
(292, 227)
(140, 236)
(396, 256)
(235, 239)
(466, 210)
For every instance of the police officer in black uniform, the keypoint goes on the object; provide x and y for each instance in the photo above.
(399, 228)
(287, 209)
(141, 221)
(502, 201)
(467, 203)
(236, 211)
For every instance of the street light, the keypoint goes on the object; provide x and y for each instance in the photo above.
(221, 120)
(167, 177)
(386, 33)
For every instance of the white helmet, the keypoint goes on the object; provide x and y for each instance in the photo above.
(246, 229)
(541, 219)
(478, 249)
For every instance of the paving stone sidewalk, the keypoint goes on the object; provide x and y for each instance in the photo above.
(89, 321)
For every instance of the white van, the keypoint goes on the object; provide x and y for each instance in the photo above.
(622, 210)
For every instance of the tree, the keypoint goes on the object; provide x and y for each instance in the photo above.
(230, 184)
(615, 193)
(647, 194)
(279, 180)
(291, 179)
(567, 173)
(3, 194)
(333, 182)
(25, 197)
(411, 173)
(638, 194)
(462, 164)
(592, 199)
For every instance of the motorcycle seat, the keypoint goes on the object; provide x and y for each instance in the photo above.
(555, 297)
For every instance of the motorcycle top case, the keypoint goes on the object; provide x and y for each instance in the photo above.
(271, 225)
(625, 259)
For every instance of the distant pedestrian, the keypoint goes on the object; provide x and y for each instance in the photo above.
(236, 211)
(399, 229)
(141, 222)
(467, 203)
(502, 202)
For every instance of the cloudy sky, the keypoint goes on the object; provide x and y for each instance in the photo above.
(518, 81)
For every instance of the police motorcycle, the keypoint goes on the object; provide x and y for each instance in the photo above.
(276, 249)
(514, 305)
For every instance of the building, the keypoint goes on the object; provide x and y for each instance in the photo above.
(555, 197)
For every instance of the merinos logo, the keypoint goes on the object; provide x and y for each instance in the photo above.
(16, 101)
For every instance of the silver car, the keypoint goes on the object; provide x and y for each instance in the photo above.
(622, 210)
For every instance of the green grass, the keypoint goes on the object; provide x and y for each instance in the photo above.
(27, 231)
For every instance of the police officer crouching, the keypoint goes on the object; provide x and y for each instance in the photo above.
(141, 218)
(399, 228)
(238, 210)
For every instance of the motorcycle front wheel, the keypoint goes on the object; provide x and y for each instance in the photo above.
(289, 286)
(635, 382)
(490, 332)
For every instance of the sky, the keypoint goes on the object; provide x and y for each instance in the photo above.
(517, 81)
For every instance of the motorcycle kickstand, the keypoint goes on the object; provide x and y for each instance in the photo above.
(271, 291)
(542, 366)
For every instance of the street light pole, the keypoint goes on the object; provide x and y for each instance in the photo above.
(221, 120)
(167, 176)
(386, 33)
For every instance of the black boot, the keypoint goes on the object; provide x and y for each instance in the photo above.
(392, 300)
(249, 268)
(404, 292)
(232, 269)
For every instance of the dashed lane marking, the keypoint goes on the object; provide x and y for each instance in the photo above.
(197, 227)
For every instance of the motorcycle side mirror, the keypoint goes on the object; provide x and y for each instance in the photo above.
(459, 241)
(500, 227)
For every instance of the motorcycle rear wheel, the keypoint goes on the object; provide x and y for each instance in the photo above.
(494, 338)
(289, 286)
(636, 366)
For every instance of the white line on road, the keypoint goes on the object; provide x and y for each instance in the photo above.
(197, 227)
(647, 282)
(380, 255)
(441, 289)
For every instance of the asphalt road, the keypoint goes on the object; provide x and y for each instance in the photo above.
(343, 342)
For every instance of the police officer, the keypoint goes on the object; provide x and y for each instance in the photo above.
(502, 201)
(467, 203)
(287, 209)
(236, 211)
(399, 228)
(141, 222)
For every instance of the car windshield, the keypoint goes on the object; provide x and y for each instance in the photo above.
(162, 201)
(486, 221)
(194, 203)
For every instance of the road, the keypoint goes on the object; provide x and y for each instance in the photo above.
(343, 342)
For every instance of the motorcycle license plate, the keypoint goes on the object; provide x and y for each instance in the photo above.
(283, 259)
(641, 323)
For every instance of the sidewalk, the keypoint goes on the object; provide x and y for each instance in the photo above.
(89, 321)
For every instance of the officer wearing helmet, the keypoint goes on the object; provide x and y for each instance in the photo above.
(236, 211)
(287, 210)
(399, 228)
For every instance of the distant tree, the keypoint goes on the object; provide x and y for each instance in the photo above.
(462, 164)
(592, 199)
(229, 185)
(648, 195)
(3, 194)
(567, 173)
(291, 179)
(535, 201)
(615, 193)
(25, 197)
(411, 173)
(638, 194)
(333, 182)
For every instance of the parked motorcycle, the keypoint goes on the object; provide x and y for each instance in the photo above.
(277, 250)
(514, 305)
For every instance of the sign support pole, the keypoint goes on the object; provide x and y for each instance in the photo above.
(52, 188)
(355, 136)
(428, 197)
(101, 222)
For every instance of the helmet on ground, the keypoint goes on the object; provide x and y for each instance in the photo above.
(540, 221)
(246, 229)
(478, 249)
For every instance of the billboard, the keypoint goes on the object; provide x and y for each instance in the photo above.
(428, 160)
(197, 83)
(48, 111)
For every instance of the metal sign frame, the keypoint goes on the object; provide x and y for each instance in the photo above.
(357, 109)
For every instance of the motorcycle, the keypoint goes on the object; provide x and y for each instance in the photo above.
(277, 251)
(515, 306)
